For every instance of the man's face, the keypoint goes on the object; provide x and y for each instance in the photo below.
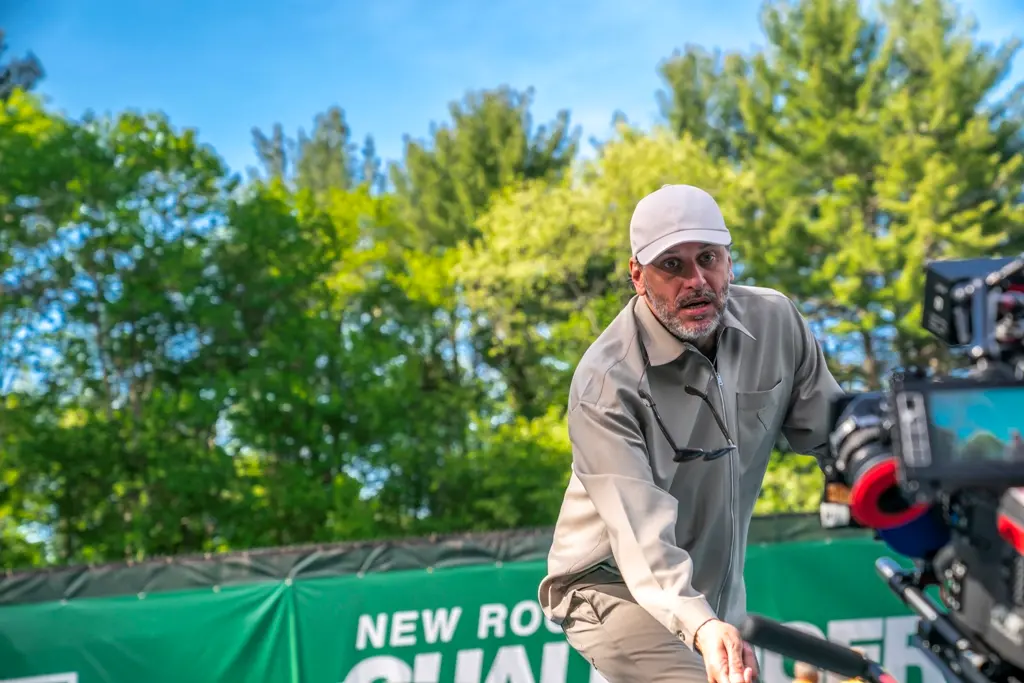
(687, 288)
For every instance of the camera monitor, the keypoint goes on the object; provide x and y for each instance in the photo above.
(959, 433)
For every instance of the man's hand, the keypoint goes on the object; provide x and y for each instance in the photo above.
(728, 659)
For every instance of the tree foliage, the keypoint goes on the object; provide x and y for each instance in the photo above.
(22, 73)
(195, 363)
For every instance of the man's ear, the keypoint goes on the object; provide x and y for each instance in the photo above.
(732, 273)
(636, 275)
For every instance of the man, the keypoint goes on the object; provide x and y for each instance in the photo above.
(673, 413)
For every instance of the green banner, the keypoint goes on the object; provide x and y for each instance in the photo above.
(474, 624)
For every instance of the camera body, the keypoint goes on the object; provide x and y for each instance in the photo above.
(933, 465)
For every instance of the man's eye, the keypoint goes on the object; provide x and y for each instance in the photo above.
(707, 257)
(670, 264)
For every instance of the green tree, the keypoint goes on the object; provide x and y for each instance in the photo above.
(983, 446)
(489, 144)
(455, 410)
(112, 206)
(305, 364)
(881, 145)
(444, 186)
(323, 160)
(702, 98)
(194, 372)
(19, 73)
(275, 153)
(327, 158)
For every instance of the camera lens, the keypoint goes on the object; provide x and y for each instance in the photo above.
(875, 497)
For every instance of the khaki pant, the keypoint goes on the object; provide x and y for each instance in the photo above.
(624, 642)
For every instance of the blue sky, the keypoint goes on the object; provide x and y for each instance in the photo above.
(224, 66)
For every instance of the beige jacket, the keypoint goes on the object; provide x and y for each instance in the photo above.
(676, 532)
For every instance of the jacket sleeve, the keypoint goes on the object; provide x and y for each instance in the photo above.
(808, 421)
(610, 459)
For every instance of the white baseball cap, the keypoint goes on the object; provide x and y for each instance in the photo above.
(673, 215)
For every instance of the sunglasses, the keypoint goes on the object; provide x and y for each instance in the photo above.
(684, 454)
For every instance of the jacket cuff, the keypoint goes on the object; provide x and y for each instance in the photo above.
(691, 614)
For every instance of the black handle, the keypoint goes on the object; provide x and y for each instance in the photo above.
(803, 647)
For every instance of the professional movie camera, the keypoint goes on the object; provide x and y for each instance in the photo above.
(934, 465)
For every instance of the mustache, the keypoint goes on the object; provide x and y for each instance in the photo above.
(703, 296)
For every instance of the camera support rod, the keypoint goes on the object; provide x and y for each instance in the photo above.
(937, 636)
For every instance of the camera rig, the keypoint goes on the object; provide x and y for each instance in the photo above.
(935, 465)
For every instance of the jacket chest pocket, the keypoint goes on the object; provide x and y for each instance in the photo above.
(759, 414)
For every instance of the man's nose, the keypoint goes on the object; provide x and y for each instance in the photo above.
(693, 277)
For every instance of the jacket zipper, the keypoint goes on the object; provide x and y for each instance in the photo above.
(732, 493)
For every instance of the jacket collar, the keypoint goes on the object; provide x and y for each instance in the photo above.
(662, 346)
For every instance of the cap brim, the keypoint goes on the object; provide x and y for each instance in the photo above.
(660, 245)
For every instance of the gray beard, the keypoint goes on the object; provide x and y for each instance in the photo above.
(693, 332)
